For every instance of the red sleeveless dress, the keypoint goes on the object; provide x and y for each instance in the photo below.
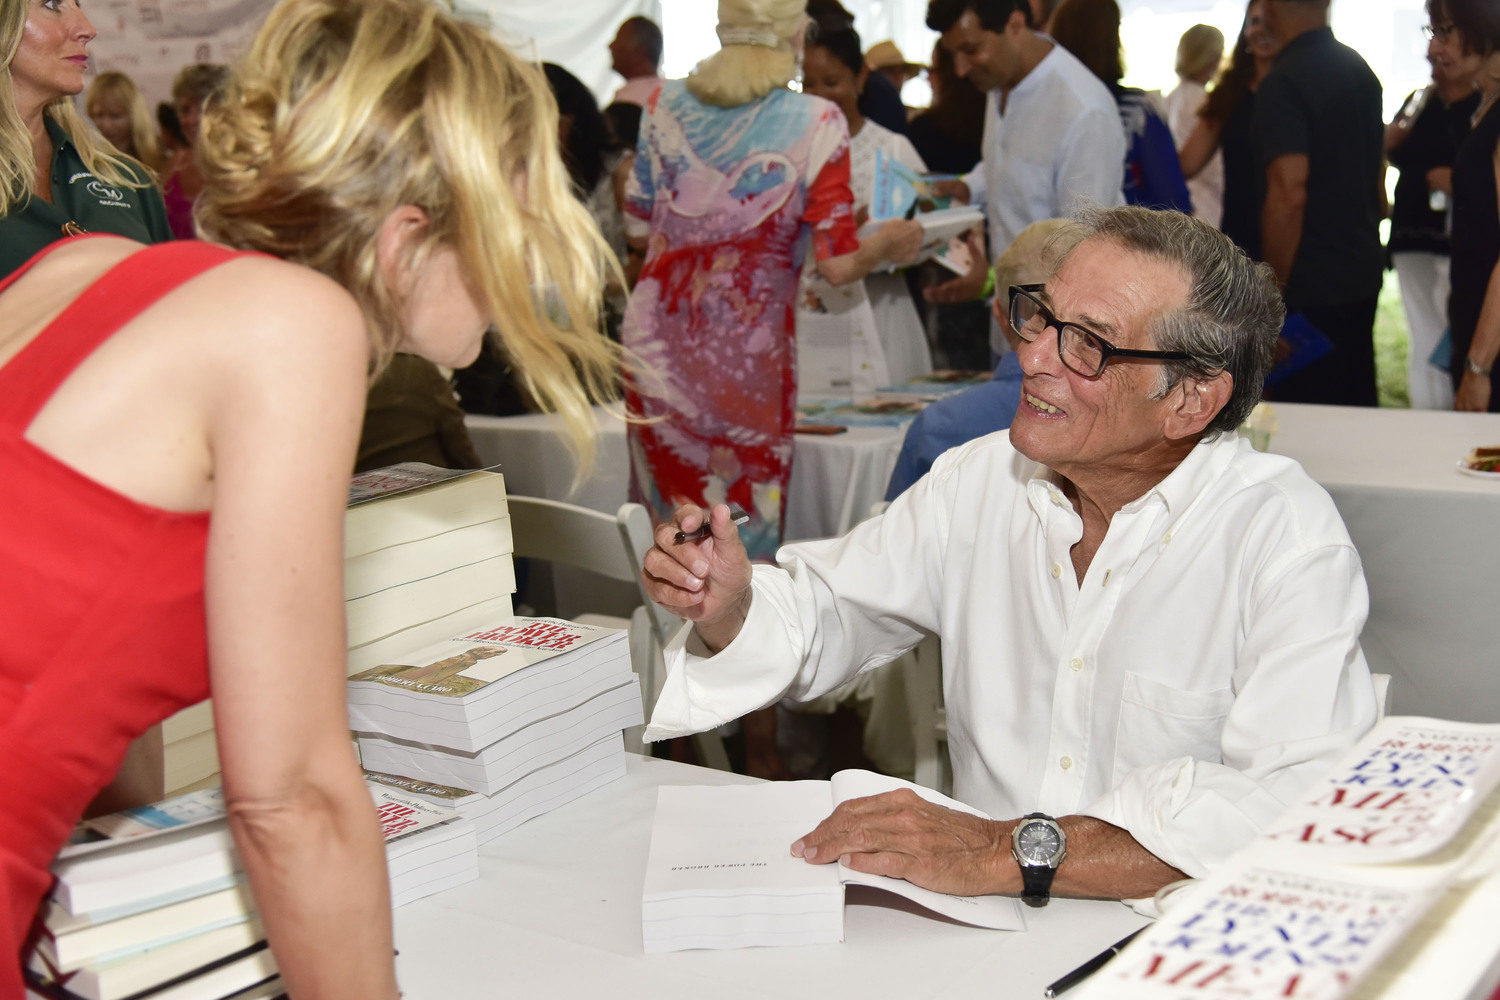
(102, 631)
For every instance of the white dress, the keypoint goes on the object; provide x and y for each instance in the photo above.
(1207, 189)
(907, 354)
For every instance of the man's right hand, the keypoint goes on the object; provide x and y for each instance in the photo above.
(706, 581)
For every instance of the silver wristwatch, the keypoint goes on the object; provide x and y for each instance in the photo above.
(1039, 845)
(1475, 368)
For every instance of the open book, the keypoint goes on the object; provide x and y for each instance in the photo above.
(721, 872)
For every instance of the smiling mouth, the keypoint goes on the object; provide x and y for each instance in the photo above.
(1041, 405)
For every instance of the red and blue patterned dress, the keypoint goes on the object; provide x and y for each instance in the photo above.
(732, 198)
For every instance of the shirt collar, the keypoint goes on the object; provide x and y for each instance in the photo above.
(1193, 475)
(1308, 39)
(1039, 72)
(1181, 488)
(61, 141)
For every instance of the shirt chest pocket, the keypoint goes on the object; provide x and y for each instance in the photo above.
(1159, 722)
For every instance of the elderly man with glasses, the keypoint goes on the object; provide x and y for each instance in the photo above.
(1149, 630)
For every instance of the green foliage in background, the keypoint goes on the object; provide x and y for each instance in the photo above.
(1391, 346)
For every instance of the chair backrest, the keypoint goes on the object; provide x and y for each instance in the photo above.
(574, 536)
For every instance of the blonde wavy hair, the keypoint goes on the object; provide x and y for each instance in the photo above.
(116, 88)
(739, 73)
(18, 157)
(344, 110)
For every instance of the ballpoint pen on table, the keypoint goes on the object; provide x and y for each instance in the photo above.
(1090, 967)
(736, 516)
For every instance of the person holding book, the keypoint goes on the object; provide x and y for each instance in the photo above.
(833, 68)
(1150, 631)
(370, 172)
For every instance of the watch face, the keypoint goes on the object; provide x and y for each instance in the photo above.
(1038, 843)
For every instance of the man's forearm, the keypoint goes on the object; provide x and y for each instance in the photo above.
(1106, 862)
(1103, 862)
(1281, 235)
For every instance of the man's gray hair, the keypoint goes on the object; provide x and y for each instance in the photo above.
(1233, 312)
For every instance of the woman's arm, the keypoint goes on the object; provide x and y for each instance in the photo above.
(290, 383)
(1475, 390)
(898, 241)
(1200, 147)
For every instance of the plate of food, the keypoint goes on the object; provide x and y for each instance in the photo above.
(1483, 463)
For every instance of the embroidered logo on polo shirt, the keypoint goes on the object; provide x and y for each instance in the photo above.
(107, 195)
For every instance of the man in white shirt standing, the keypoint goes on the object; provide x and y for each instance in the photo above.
(1052, 136)
(635, 54)
(1149, 630)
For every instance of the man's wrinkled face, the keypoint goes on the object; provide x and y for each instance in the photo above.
(1075, 424)
(989, 59)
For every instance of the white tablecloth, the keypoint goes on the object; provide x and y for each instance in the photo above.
(557, 914)
(1429, 538)
(835, 479)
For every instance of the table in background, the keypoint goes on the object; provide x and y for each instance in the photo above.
(557, 913)
(835, 479)
(1429, 539)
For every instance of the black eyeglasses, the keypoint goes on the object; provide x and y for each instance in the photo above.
(1437, 30)
(1081, 349)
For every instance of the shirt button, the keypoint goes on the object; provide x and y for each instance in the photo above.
(1056, 571)
(1167, 538)
(1076, 663)
(1065, 763)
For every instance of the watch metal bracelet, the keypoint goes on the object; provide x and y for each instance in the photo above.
(1475, 368)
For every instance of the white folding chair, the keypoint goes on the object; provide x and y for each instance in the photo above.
(613, 547)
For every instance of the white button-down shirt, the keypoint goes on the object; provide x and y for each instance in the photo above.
(1056, 147)
(1203, 673)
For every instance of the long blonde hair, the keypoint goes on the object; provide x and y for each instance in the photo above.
(18, 157)
(740, 73)
(116, 87)
(344, 110)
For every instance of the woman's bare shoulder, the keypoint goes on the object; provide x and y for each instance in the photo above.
(256, 301)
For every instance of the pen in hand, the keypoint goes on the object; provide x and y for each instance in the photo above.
(736, 516)
(911, 213)
(1090, 967)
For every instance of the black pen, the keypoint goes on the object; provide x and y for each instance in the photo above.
(1090, 967)
(736, 516)
(911, 213)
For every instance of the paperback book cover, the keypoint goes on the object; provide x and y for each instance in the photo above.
(460, 666)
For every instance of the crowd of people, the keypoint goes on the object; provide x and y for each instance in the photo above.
(1150, 632)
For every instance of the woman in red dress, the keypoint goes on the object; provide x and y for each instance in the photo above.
(178, 426)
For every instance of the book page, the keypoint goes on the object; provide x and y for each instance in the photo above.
(737, 838)
(995, 912)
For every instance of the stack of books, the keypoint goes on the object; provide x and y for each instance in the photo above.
(503, 723)
(153, 903)
(427, 555)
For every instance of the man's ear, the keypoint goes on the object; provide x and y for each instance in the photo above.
(1195, 403)
(397, 237)
(1017, 22)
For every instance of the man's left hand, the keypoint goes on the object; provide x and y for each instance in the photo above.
(902, 835)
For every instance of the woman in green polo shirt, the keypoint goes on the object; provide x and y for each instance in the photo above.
(57, 174)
